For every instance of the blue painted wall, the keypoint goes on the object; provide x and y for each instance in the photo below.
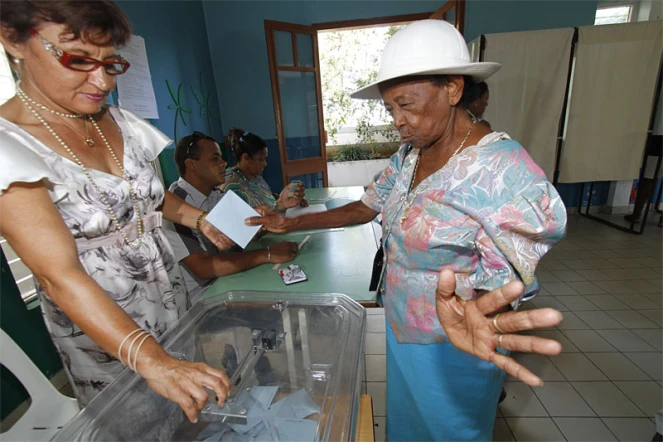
(237, 42)
(178, 51)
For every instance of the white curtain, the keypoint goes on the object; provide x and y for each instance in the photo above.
(475, 49)
(611, 103)
(527, 94)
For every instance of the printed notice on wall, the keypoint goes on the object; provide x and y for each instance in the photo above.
(134, 87)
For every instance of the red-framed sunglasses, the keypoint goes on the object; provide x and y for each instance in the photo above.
(81, 63)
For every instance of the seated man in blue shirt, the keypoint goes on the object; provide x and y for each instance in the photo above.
(202, 169)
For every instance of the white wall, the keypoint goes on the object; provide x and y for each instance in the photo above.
(354, 173)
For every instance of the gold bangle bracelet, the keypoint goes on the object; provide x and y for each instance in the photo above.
(200, 219)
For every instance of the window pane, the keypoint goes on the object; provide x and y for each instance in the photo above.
(616, 14)
(305, 50)
(311, 181)
(283, 43)
(300, 114)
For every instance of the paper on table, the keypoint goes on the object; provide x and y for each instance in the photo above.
(294, 212)
(228, 216)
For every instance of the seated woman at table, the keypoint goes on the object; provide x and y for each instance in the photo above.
(245, 178)
(477, 102)
(467, 215)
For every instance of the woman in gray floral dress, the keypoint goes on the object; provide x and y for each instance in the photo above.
(81, 204)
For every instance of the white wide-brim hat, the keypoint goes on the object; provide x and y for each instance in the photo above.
(426, 47)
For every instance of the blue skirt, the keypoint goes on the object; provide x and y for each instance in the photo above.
(438, 392)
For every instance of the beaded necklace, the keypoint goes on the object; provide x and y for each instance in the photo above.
(27, 101)
(414, 174)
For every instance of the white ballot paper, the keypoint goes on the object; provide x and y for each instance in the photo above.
(228, 216)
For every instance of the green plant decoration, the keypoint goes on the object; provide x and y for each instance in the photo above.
(204, 99)
(177, 106)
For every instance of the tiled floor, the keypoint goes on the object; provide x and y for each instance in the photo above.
(607, 383)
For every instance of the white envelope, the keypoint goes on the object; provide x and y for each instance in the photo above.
(228, 216)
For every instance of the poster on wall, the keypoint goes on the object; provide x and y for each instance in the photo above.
(134, 88)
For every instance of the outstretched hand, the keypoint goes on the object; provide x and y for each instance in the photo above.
(221, 241)
(270, 219)
(471, 325)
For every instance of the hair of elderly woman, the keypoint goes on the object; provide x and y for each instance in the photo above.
(471, 90)
(242, 142)
(187, 147)
(99, 22)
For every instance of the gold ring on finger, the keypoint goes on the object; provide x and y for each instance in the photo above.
(497, 327)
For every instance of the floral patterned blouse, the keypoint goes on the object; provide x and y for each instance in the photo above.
(489, 214)
(255, 192)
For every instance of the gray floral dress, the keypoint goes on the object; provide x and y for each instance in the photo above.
(146, 282)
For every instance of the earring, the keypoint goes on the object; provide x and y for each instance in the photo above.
(16, 60)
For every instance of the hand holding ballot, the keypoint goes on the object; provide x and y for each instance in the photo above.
(228, 217)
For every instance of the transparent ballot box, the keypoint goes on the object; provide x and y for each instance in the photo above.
(294, 362)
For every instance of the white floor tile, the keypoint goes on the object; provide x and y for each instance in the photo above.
(376, 368)
(501, 432)
(375, 344)
(567, 346)
(577, 303)
(606, 400)
(653, 337)
(561, 399)
(379, 428)
(625, 340)
(546, 276)
(375, 311)
(578, 264)
(551, 264)
(642, 286)
(617, 367)
(599, 320)
(534, 429)
(606, 302)
(631, 429)
(623, 274)
(378, 391)
(656, 298)
(540, 365)
(572, 322)
(586, 288)
(654, 315)
(568, 275)
(648, 396)
(548, 302)
(520, 401)
(628, 263)
(608, 254)
(602, 264)
(645, 273)
(615, 287)
(595, 275)
(375, 324)
(632, 319)
(576, 367)
(638, 302)
(588, 341)
(650, 363)
(558, 288)
(583, 429)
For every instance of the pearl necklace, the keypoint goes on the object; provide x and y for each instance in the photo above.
(41, 106)
(26, 101)
(416, 166)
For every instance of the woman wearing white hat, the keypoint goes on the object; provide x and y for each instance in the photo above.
(457, 200)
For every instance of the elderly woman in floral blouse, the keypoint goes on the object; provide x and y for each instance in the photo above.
(467, 215)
